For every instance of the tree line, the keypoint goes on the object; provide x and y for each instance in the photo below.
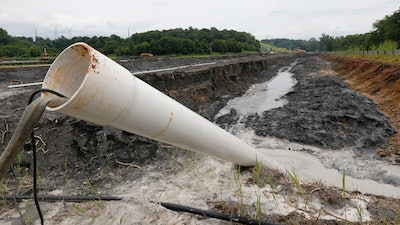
(312, 45)
(385, 36)
(166, 42)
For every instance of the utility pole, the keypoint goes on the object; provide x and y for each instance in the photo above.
(35, 35)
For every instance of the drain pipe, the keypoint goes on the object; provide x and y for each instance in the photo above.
(103, 92)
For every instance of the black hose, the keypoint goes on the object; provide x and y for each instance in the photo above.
(213, 214)
(35, 198)
(50, 198)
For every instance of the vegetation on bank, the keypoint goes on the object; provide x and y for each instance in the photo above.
(166, 42)
(311, 45)
(384, 36)
(379, 56)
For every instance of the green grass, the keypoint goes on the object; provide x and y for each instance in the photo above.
(3, 191)
(272, 186)
(91, 187)
(344, 184)
(274, 48)
(238, 180)
(386, 58)
(257, 173)
(18, 170)
(78, 209)
(359, 212)
(295, 180)
(258, 206)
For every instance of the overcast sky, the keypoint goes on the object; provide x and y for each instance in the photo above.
(294, 19)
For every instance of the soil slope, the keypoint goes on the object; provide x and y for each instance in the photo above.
(380, 82)
(323, 112)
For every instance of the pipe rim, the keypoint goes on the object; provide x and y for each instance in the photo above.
(68, 73)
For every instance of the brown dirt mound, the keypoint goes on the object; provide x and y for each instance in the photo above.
(380, 82)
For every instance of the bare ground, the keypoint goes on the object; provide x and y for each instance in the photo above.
(77, 158)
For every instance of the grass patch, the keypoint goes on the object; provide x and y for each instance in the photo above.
(385, 58)
(295, 180)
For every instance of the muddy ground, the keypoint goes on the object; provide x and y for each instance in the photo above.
(322, 111)
(380, 82)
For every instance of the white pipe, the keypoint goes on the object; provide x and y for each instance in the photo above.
(103, 92)
(174, 68)
(134, 73)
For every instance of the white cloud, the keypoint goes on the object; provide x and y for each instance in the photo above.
(273, 18)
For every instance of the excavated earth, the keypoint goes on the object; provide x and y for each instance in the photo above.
(380, 82)
(355, 107)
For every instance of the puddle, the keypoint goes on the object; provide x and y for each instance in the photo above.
(264, 96)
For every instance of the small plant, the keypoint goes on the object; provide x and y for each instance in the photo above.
(258, 206)
(38, 177)
(192, 156)
(107, 168)
(389, 220)
(66, 174)
(2, 191)
(78, 209)
(238, 182)
(220, 192)
(359, 212)
(18, 170)
(28, 221)
(210, 169)
(272, 186)
(257, 173)
(344, 184)
(295, 179)
(121, 219)
(94, 192)
(236, 175)
(91, 187)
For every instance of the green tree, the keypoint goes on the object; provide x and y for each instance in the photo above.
(388, 28)
(4, 37)
(326, 42)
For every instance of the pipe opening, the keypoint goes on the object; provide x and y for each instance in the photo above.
(67, 73)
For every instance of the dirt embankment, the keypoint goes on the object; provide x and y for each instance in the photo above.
(380, 82)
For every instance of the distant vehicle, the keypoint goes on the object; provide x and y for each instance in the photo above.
(146, 55)
(45, 55)
(301, 51)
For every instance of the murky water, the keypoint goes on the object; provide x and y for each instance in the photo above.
(363, 172)
(265, 96)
